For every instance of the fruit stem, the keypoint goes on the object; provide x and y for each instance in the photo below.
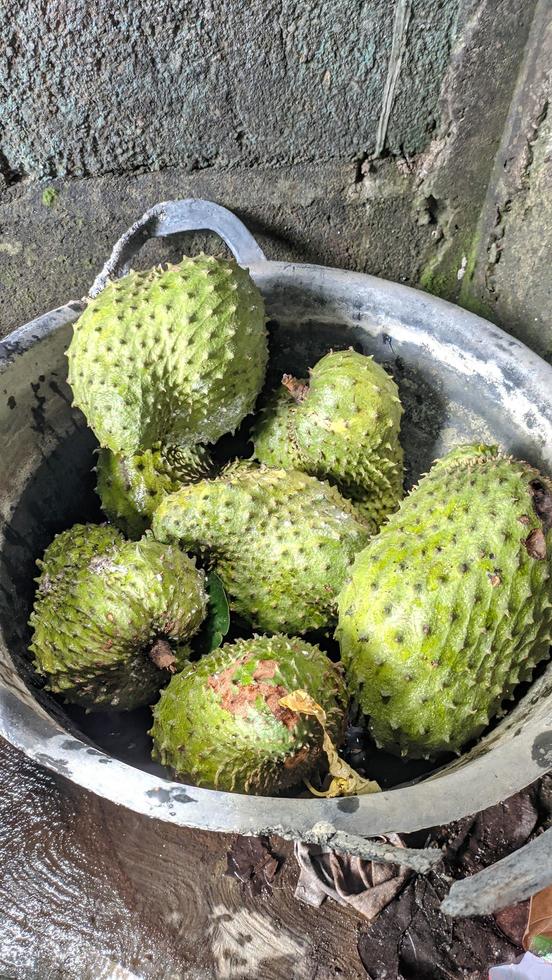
(162, 656)
(297, 389)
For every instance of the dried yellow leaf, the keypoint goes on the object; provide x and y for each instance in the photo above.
(345, 781)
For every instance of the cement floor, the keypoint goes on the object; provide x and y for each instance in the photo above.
(91, 891)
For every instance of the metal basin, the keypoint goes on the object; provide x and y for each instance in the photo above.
(460, 379)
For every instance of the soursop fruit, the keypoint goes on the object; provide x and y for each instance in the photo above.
(132, 487)
(174, 355)
(219, 723)
(342, 425)
(449, 607)
(281, 542)
(111, 617)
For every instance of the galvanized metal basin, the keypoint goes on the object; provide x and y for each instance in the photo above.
(460, 378)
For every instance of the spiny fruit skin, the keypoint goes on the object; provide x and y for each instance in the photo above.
(341, 425)
(449, 607)
(132, 487)
(281, 542)
(101, 605)
(174, 355)
(219, 722)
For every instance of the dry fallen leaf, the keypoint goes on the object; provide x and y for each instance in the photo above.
(345, 781)
(538, 934)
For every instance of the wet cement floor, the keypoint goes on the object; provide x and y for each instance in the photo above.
(91, 891)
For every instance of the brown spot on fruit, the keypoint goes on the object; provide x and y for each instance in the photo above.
(237, 698)
(495, 580)
(536, 544)
(542, 503)
(265, 670)
(296, 760)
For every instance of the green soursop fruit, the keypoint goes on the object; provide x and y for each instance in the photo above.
(132, 487)
(341, 425)
(281, 542)
(220, 724)
(174, 355)
(110, 616)
(449, 607)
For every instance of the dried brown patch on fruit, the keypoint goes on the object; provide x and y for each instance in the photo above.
(237, 698)
(542, 503)
(265, 670)
(272, 695)
(536, 544)
(219, 682)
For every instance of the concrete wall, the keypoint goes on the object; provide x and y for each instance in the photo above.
(100, 88)
(357, 133)
(509, 278)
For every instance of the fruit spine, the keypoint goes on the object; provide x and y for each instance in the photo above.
(220, 721)
(449, 607)
(174, 355)
(342, 425)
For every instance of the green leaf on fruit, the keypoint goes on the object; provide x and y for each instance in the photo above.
(217, 622)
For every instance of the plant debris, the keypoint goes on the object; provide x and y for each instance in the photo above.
(538, 933)
(366, 886)
(345, 781)
(252, 862)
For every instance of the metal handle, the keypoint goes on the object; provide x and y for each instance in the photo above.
(171, 217)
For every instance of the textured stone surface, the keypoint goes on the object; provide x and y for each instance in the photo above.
(526, 252)
(509, 279)
(311, 213)
(361, 137)
(154, 85)
(474, 105)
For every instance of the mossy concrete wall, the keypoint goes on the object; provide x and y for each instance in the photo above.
(509, 278)
(361, 134)
(95, 88)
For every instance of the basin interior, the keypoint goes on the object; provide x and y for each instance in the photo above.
(48, 484)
